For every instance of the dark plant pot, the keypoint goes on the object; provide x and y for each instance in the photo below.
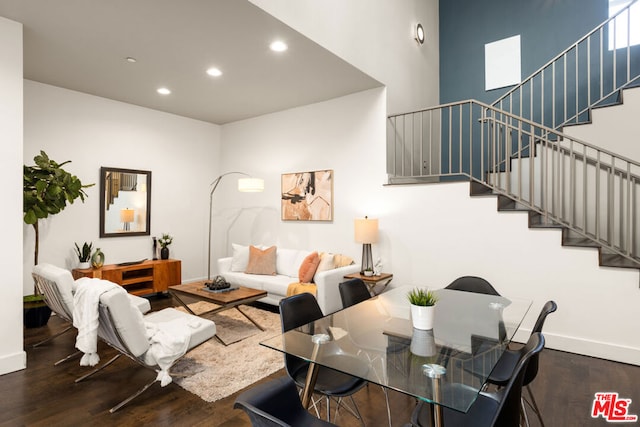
(35, 315)
(164, 253)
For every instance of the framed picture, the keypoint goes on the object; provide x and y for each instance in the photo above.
(307, 196)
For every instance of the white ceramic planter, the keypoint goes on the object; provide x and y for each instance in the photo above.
(422, 316)
(84, 265)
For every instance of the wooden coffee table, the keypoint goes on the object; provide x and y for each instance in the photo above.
(225, 300)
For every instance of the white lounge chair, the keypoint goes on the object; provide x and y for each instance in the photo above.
(57, 286)
(123, 327)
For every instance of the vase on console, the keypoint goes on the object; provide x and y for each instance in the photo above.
(164, 242)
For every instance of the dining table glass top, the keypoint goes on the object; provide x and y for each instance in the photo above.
(375, 341)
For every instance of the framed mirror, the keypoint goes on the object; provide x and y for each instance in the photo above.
(125, 202)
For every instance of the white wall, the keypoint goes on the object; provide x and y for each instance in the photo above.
(12, 355)
(181, 153)
(376, 36)
(430, 234)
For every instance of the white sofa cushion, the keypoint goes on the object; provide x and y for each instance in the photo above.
(240, 257)
(286, 262)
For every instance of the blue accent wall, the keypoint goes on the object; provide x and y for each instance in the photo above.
(546, 28)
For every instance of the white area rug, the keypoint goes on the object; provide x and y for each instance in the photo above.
(213, 371)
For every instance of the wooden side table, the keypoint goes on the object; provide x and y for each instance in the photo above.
(382, 279)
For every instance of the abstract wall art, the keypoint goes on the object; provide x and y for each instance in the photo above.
(307, 196)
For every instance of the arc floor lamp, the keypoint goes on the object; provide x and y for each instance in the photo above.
(245, 185)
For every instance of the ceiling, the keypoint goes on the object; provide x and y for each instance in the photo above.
(82, 45)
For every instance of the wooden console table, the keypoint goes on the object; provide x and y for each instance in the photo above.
(139, 279)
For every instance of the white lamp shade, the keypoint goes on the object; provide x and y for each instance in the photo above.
(366, 230)
(250, 185)
(126, 215)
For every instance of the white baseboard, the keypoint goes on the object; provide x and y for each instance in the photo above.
(13, 362)
(602, 350)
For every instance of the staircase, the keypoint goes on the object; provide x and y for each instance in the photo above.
(516, 149)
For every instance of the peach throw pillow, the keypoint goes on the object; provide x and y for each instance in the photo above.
(308, 267)
(261, 261)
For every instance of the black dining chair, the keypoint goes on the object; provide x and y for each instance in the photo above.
(276, 403)
(353, 291)
(500, 408)
(505, 368)
(472, 284)
(296, 311)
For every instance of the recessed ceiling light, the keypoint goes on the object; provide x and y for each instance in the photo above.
(131, 59)
(163, 91)
(214, 72)
(278, 46)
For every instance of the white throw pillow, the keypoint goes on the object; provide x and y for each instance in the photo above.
(326, 263)
(286, 262)
(240, 257)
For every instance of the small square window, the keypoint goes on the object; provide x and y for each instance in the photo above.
(619, 34)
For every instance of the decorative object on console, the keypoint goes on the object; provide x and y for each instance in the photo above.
(366, 232)
(164, 242)
(97, 259)
(126, 218)
(125, 198)
(245, 185)
(155, 248)
(423, 303)
(307, 196)
(84, 255)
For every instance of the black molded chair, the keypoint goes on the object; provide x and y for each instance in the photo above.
(505, 367)
(499, 408)
(353, 291)
(296, 311)
(472, 284)
(276, 403)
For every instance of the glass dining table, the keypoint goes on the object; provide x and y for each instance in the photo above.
(375, 340)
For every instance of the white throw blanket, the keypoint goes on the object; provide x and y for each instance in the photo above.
(169, 341)
(85, 316)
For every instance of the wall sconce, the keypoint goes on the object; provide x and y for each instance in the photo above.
(419, 34)
(126, 218)
(366, 232)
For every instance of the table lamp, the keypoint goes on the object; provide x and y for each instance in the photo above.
(126, 218)
(366, 232)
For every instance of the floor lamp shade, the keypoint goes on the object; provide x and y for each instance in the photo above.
(250, 185)
(366, 232)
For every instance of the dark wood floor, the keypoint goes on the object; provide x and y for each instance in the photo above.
(44, 395)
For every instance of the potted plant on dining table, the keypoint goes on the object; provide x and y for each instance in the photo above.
(423, 303)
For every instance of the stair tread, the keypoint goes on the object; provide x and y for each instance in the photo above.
(615, 260)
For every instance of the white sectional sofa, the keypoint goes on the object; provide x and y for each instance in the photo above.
(288, 263)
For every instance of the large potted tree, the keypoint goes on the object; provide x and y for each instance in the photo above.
(47, 190)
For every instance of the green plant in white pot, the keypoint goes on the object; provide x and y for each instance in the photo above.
(423, 302)
(84, 254)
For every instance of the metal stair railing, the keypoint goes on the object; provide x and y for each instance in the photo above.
(586, 74)
(569, 182)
